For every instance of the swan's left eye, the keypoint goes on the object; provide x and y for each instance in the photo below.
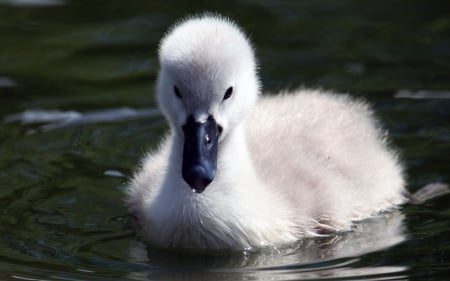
(177, 92)
(228, 93)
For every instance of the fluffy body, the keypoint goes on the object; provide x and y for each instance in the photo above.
(290, 165)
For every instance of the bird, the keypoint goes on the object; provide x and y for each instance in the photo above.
(239, 169)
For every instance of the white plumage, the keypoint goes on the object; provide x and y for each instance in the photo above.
(289, 166)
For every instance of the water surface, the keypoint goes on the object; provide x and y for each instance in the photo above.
(77, 113)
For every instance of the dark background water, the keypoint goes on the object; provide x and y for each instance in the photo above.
(70, 69)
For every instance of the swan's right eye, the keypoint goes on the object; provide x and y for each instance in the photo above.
(177, 92)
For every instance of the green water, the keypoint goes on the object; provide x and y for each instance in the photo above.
(83, 63)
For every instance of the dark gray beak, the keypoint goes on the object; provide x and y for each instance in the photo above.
(200, 153)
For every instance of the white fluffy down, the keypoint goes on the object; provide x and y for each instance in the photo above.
(291, 165)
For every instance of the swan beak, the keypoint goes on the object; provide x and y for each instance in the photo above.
(200, 153)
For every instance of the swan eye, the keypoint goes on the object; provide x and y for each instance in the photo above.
(177, 92)
(228, 93)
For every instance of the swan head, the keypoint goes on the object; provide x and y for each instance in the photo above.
(206, 86)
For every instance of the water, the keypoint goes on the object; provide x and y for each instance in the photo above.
(76, 114)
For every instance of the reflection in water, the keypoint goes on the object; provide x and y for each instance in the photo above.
(335, 256)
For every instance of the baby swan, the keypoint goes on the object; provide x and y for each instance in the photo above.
(236, 172)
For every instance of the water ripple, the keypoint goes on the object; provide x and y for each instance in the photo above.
(56, 119)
